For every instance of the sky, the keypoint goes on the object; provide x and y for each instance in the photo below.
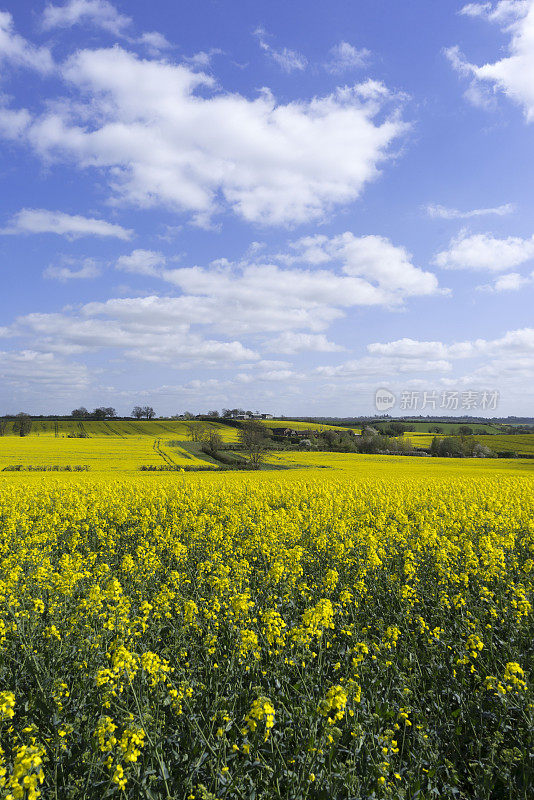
(282, 207)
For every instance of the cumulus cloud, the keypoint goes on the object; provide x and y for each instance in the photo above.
(44, 370)
(442, 212)
(164, 135)
(88, 269)
(288, 60)
(142, 262)
(514, 74)
(504, 364)
(345, 57)
(372, 260)
(99, 13)
(292, 342)
(482, 251)
(518, 342)
(18, 51)
(161, 340)
(510, 282)
(39, 220)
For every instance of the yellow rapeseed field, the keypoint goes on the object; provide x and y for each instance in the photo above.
(364, 630)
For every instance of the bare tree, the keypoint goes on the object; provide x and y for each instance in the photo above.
(196, 431)
(212, 439)
(148, 412)
(137, 412)
(252, 436)
(22, 424)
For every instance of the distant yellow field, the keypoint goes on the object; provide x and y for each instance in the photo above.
(105, 454)
(122, 429)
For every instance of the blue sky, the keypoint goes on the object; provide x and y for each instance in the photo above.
(276, 206)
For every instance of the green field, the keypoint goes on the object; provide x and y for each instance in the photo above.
(452, 428)
(522, 444)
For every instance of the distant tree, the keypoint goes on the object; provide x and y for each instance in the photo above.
(225, 412)
(396, 428)
(80, 413)
(465, 430)
(22, 424)
(214, 414)
(212, 439)
(435, 429)
(148, 412)
(104, 412)
(188, 415)
(252, 436)
(3, 426)
(137, 412)
(196, 431)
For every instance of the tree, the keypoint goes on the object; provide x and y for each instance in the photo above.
(465, 430)
(22, 424)
(104, 412)
(252, 436)
(212, 439)
(148, 412)
(80, 413)
(3, 426)
(188, 415)
(137, 412)
(196, 431)
(214, 414)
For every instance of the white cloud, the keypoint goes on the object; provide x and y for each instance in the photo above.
(510, 282)
(371, 260)
(485, 252)
(291, 342)
(149, 337)
(88, 269)
(504, 364)
(514, 74)
(142, 262)
(288, 60)
(162, 143)
(154, 41)
(382, 368)
(345, 57)
(100, 13)
(17, 50)
(202, 59)
(503, 11)
(39, 220)
(517, 342)
(475, 9)
(441, 212)
(44, 370)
